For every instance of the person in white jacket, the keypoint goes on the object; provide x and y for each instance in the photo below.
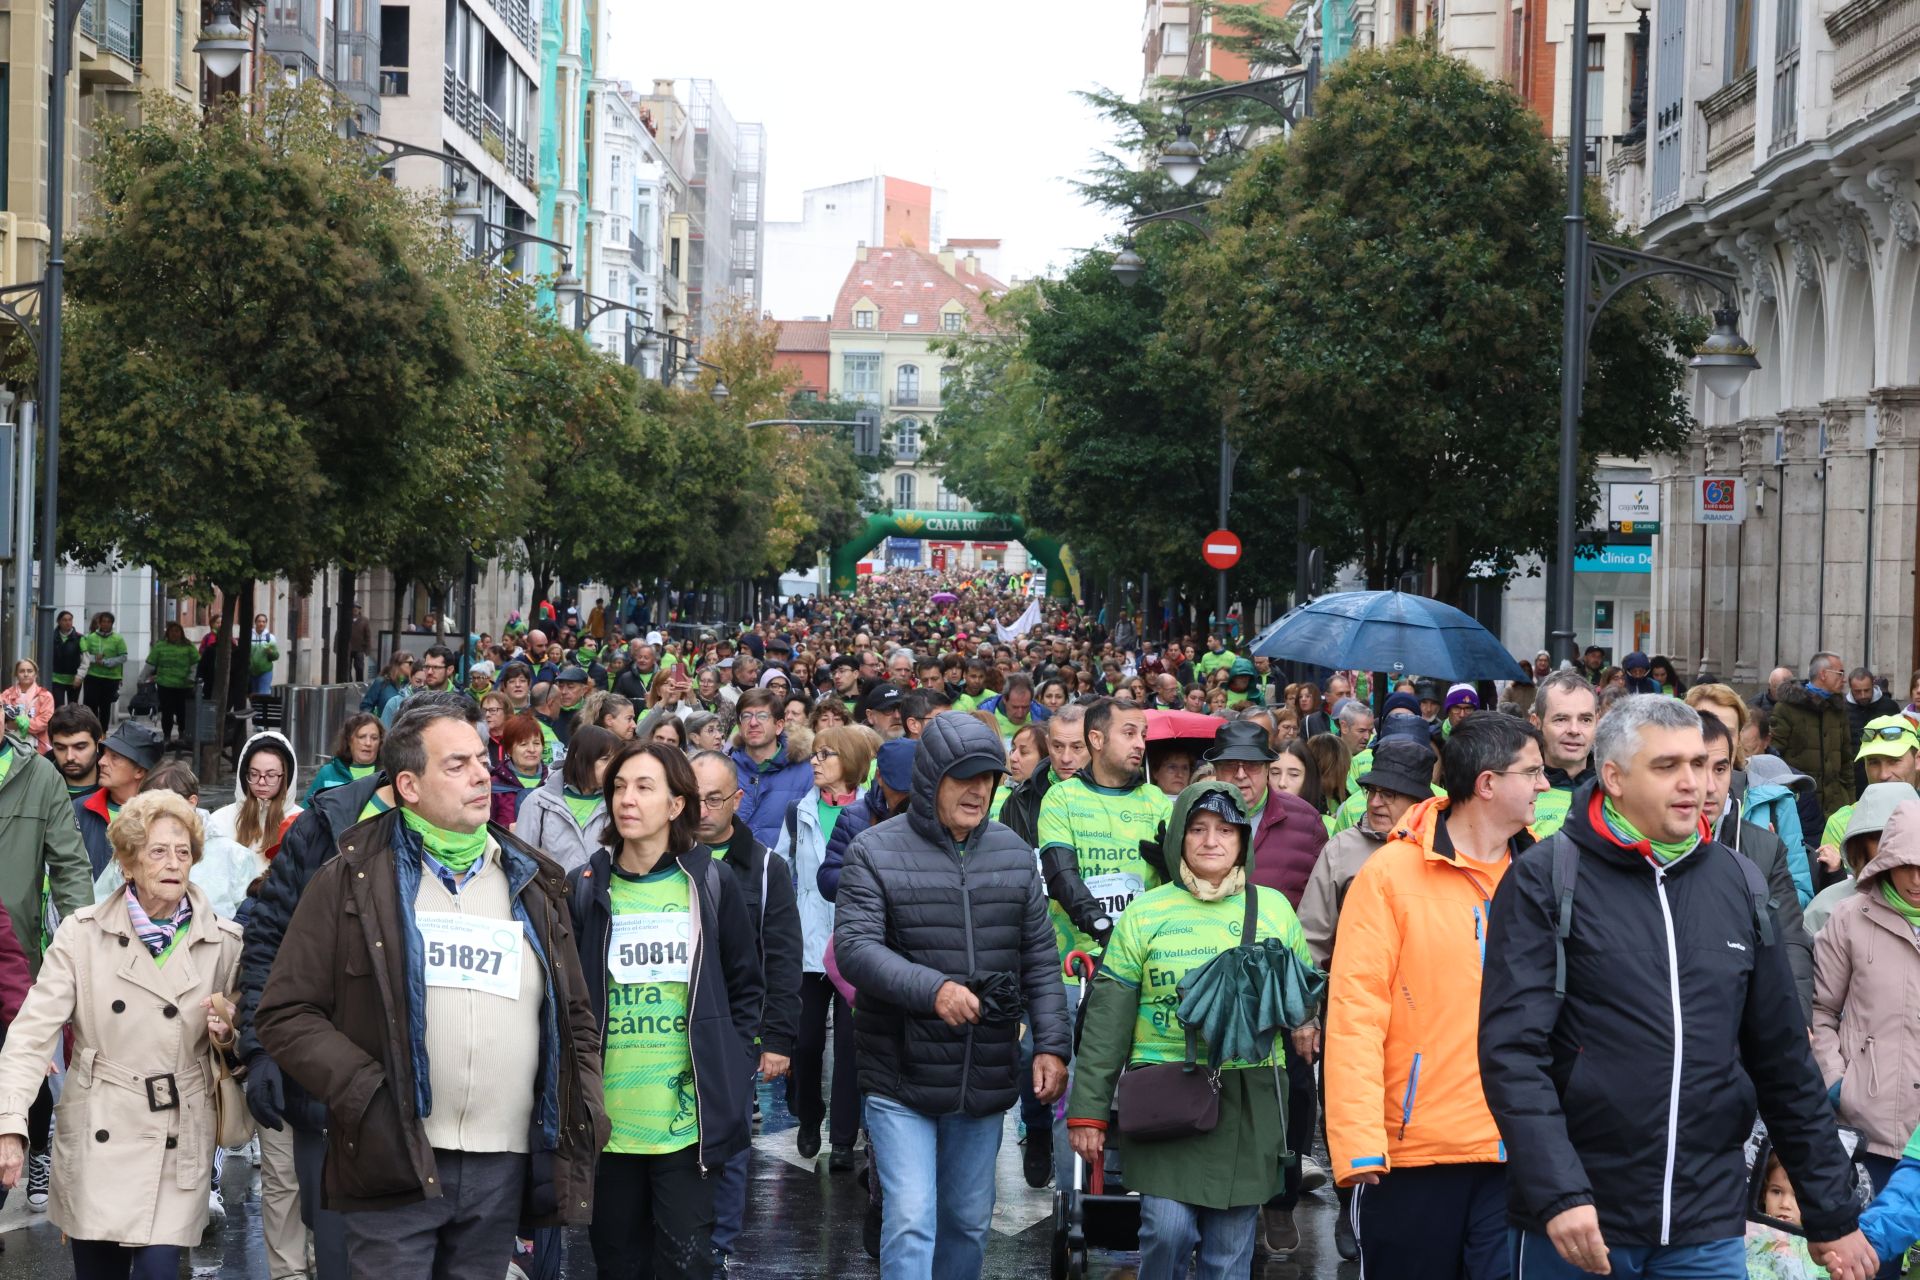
(564, 816)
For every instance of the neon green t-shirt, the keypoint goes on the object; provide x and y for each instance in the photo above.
(970, 701)
(1835, 832)
(581, 807)
(1550, 811)
(1165, 935)
(373, 808)
(1211, 662)
(648, 1075)
(999, 802)
(1007, 727)
(1104, 828)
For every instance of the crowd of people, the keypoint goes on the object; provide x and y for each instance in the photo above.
(1532, 955)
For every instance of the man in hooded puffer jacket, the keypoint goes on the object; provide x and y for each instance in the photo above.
(935, 908)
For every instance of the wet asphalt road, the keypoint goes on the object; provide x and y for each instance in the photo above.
(802, 1224)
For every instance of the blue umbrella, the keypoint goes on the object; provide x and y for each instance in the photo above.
(1387, 631)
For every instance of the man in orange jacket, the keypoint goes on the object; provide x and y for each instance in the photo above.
(1406, 1121)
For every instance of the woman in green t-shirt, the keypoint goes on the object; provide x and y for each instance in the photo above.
(1206, 1190)
(106, 654)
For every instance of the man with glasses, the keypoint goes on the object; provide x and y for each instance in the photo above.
(770, 781)
(766, 885)
(436, 676)
(1406, 1122)
(1811, 731)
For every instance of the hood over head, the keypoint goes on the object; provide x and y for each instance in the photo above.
(1222, 798)
(950, 746)
(1899, 838)
(253, 744)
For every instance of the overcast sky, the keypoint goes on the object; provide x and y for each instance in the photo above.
(976, 98)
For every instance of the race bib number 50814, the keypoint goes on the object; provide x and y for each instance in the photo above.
(650, 946)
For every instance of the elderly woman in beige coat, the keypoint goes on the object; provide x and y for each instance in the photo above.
(143, 977)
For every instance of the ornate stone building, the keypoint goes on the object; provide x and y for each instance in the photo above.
(1781, 143)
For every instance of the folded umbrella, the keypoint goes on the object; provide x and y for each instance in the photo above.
(1238, 1001)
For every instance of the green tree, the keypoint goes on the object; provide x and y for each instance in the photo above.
(251, 345)
(1383, 295)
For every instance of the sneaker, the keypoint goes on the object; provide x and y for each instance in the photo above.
(841, 1161)
(1312, 1175)
(1036, 1158)
(720, 1264)
(870, 1232)
(216, 1210)
(253, 1151)
(808, 1139)
(1278, 1234)
(39, 1179)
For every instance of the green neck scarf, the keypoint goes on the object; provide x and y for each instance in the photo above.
(452, 850)
(1908, 912)
(1667, 851)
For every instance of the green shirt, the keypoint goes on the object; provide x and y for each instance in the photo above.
(373, 808)
(1103, 827)
(1211, 662)
(1000, 794)
(1165, 935)
(1835, 832)
(581, 807)
(647, 1077)
(829, 819)
(1008, 727)
(970, 701)
(104, 649)
(173, 664)
(1550, 811)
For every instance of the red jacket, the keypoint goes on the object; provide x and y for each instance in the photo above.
(1286, 844)
(15, 977)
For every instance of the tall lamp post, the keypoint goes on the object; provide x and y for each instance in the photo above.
(1595, 274)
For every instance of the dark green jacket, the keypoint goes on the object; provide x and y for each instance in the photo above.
(41, 844)
(1811, 732)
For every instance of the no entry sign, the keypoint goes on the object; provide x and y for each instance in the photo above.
(1221, 549)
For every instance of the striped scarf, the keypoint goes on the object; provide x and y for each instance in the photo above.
(156, 935)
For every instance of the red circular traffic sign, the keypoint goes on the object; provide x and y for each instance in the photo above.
(1221, 549)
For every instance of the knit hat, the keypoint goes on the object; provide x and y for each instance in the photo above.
(1402, 701)
(1462, 695)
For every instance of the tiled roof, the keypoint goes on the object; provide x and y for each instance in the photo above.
(803, 335)
(900, 280)
(974, 244)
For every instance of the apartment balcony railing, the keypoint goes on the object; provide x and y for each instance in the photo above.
(290, 33)
(519, 19)
(904, 399)
(467, 110)
(113, 25)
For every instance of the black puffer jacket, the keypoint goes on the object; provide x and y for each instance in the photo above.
(1764, 850)
(309, 843)
(1614, 1096)
(914, 912)
(766, 887)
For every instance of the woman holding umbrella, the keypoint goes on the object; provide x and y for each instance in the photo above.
(1201, 1188)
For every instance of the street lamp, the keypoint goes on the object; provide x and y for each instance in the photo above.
(1182, 160)
(1128, 266)
(222, 44)
(1595, 275)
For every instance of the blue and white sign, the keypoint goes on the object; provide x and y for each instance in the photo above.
(1614, 560)
(903, 551)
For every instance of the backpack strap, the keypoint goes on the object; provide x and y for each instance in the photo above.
(1566, 874)
(1760, 895)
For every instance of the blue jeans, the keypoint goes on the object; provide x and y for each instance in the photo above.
(936, 1179)
(1535, 1258)
(1170, 1231)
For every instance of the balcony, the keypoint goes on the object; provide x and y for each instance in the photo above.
(1875, 55)
(519, 20)
(114, 27)
(393, 82)
(356, 67)
(290, 33)
(464, 107)
(1729, 114)
(908, 399)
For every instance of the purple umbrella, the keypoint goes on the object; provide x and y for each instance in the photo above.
(943, 597)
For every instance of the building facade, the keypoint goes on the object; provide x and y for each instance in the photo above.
(726, 223)
(803, 257)
(635, 193)
(893, 304)
(1781, 144)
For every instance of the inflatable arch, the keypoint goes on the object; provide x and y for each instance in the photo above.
(965, 526)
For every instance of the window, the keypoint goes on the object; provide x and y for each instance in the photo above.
(903, 490)
(906, 439)
(906, 384)
(944, 499)
(396, 35)
(180, 45)
(808, 395)
(860, 376)
(953, 321)
(613, 285)
(912, 317)
(1596, 85)
(1173, 39)
(865, 317)
(616, 173)
(949, 379)
(1740, 38)
(1669, 98)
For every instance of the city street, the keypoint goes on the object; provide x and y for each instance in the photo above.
(801, 1225)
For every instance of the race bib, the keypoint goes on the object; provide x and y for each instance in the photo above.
(650, 946)
(1116, 889)
(472, 953)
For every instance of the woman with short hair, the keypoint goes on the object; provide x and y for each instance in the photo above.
(356, 754)
(132, 1172)
(564, 816)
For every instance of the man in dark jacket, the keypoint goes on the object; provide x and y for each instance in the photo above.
(433, 928)
(1866, 700)
(942, 928)
(1620, 946)
(1811, 731)
(766, 886)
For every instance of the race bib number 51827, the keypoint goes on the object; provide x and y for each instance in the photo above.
(471, 953)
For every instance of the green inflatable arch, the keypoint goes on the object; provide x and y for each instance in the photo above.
(962, 526)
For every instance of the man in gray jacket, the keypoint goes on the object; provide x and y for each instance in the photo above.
(941, 925)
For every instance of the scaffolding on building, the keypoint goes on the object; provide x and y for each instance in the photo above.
(724, 207)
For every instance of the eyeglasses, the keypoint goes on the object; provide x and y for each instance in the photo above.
(1535, 774)
(1887, 733)
(825, 753)
(756, 717)
(716, 801)
(257, 775)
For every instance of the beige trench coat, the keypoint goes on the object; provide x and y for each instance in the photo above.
(124, 1171)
